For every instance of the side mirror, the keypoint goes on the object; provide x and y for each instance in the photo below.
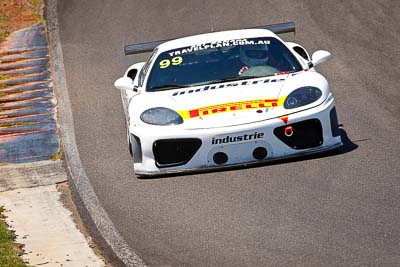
(320, 56)
(124, 83)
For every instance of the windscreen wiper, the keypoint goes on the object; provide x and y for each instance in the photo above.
(167, 87)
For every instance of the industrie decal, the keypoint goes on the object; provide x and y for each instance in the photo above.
(237, 138)
(231, 107)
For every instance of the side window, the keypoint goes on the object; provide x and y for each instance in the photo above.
(132, 74)
(301, 52)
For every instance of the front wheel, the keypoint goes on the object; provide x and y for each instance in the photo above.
(129, 141)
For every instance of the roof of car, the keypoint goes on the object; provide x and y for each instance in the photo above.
(214, 37)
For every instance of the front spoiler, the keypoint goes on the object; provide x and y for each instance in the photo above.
(317, 150)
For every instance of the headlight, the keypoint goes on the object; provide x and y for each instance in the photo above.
(302, 96)
(161, 116)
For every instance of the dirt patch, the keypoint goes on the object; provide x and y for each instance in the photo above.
(17, 14)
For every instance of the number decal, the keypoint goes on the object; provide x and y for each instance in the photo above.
(166, 62)
(177, 60)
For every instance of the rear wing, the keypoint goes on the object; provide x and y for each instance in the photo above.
(149, 46)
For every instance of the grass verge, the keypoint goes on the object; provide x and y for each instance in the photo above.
(3, 26)
(4, 77)
(9, 250)
(37, 6)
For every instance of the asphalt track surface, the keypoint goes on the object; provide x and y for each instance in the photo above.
(333, 210)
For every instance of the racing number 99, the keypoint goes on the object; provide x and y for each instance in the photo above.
(166, 62)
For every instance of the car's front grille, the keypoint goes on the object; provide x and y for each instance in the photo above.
(301, 135)
(174, 152)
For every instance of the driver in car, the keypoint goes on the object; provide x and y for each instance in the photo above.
(252, 56)
(261, 56)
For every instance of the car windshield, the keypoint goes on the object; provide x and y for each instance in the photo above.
(220, 62)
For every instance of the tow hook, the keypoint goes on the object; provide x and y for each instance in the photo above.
(288, 131)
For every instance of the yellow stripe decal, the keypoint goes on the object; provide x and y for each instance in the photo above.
(232, 106)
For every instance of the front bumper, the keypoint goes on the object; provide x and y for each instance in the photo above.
(313, 131)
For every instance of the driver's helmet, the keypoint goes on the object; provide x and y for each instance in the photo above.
(254, 55)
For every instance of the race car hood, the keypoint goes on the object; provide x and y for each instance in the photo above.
(231, 103)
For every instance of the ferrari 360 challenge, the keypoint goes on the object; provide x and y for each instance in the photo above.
(224, 99)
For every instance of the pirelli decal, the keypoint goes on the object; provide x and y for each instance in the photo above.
(231, 107)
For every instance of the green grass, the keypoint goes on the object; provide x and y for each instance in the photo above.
(4, 77)
(9, 250)
(36, 6)
(3, 36)
(3, 16)
(16, 124)
(56, 156)
(3, 27)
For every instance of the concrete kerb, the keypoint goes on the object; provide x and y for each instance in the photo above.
(90, 208)
(26, 175)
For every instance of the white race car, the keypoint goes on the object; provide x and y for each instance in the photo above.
(226, 98)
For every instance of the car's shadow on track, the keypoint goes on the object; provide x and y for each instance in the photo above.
(348, 146)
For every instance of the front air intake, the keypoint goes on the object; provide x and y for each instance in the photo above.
(301, 135)
(174, 152)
